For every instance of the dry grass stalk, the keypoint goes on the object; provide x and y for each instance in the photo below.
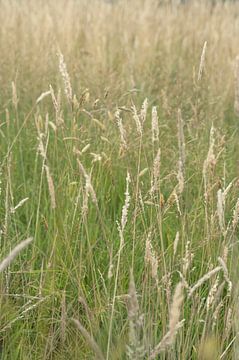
(13, 209)
(126, 204)
(175, 244)
(135, 349)
(111, 265)
(85, 148)
(203, 279)
(166, 341)
(151, 258)
(42, 96)
(174, 323)
(90, 340)
(65, 77)
(15, 99)
(220, 209)
(121, 130)
(182, 154)
(50, 187)
(155, 183)
(226, 275)
(7, 261)
(176, 307)
(57, 105)
(210, 160)
(212, 292)
(136, 118)
(121, 227)
(229, 321)
(187, 258)
(202, 61)
(21, 316)
(41, 148)
(142, 172)
(88, 312)
(155, 125)
(235, 218)
(215, 315)
(143, 112)
(88, 185)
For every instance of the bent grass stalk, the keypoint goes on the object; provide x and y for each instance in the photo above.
(7, 261)
(121, 227)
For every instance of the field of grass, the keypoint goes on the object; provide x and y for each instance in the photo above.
(119, 157)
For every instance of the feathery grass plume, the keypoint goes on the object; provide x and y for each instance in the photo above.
(50, 187)
(65, 76)
(176, 307)
(142, 172)
(174, 323)
(226, 275)
(228, 188)
(203, 279)
(111, 266)
(183, 280)
(235, 218)
(155, 125)
(88, 185)
(85, 148)
(15, 99)
(54, 100)
(229, 321)
(138, 123)
(41, 148)
(220, 209)
(42, 96)
(25, 311)
(57, 105)
(202, 61)
(182, 154)
(4, 263)
(210, 160)
(121, 227)
(215, 315)
(187, 260)
(175, 244)
(135, 349)
(212, 293)
(86, 194)
(236, 100)
(75, 103)
(156, 173)
(121, 130)
(89, 339)
(151, 258)
(89, 313)
(143, 112)
(126, 204)
(13, 209)
(84, 97)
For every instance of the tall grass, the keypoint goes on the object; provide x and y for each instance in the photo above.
(119, 155)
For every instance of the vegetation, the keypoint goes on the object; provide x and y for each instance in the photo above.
(119, 179)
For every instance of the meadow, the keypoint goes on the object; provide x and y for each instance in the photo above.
(119, 176)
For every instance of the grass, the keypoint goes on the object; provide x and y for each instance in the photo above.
(119, 157)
